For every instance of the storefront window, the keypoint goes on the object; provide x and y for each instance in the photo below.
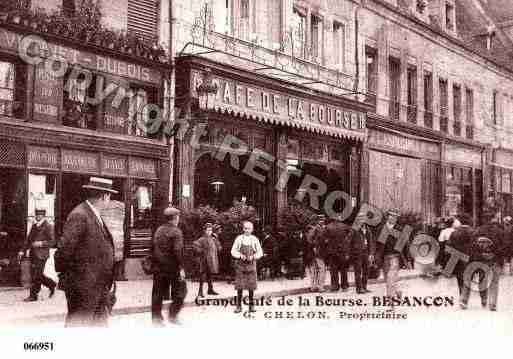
(41, 195)
(139, 113)
(142, 204)
(78, 112)
(12, 89)
(458, 192)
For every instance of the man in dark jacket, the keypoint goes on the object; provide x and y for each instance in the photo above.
(39, 241)
(168, 266)
(85, 258)
(487, 253)
(363, 249)
(461, 240)
(337, 235)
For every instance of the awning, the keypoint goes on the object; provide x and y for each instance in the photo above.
(306, 125)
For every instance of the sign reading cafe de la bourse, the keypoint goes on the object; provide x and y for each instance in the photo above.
(261, 103)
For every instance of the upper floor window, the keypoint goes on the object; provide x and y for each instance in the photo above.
(339, 34)
(428, 99)
(298, 28)
(444, 98)
(68, 7)
(495, 108)
(411, 76)
(372, 74)
(456, 95)
(395, 86)
(12, 89)
(469, 106)
(222, 16)
(143, 18)
(449, 16)
(316, 37)
(245, 26)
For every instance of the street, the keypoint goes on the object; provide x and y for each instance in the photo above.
(329, 310)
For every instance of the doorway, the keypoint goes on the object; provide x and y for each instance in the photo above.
(12, 224)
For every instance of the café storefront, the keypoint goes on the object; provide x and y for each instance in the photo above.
(290, 128)
(52, 139)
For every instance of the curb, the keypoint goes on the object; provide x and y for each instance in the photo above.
(147, 308)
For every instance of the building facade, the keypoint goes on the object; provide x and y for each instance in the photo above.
(72, 102)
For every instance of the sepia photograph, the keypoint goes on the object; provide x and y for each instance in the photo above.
(234, 169)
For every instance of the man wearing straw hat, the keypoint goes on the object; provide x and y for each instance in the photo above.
(85, 258)
(39, 241)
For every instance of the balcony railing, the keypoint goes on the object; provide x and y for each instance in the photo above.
(393, 110)
(411, 112)
(457, 128)
(444, 124)
(428, 119)
(469, 132)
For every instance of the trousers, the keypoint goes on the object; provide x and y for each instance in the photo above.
(488, 286)
(361, 271)
(37, 267)
(317, 273)
(338, 272)
(161, 285)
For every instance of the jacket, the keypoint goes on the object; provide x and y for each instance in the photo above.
(85, 259)
(362, 244)
(207, 249)
(488, 244)
(43, 233)
(337, 235)
(168, 249)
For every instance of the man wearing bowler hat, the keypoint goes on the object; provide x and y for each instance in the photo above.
(39, 241)
(85, 258)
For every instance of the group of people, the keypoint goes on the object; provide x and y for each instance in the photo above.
(487, 247)
(335, 246)
(85, 258)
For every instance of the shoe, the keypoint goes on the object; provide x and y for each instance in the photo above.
(30, 299)
(367, 290)
(252, 309)
(212, 292)
(52, 292)
(484, 304)
(493, 309)
(345, 289)
(334, 289)
(463, 306)
(238, 309)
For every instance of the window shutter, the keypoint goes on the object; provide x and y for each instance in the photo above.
(143, 18)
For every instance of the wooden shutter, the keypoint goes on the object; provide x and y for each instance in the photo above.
(143, 18)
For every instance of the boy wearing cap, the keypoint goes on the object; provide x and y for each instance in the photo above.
(39, 241)
(207, 248)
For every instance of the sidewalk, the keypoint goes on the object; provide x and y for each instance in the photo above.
(135, 297)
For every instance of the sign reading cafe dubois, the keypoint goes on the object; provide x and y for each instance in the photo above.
(260, 102)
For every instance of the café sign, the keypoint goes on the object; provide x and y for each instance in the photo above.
(281, 106)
